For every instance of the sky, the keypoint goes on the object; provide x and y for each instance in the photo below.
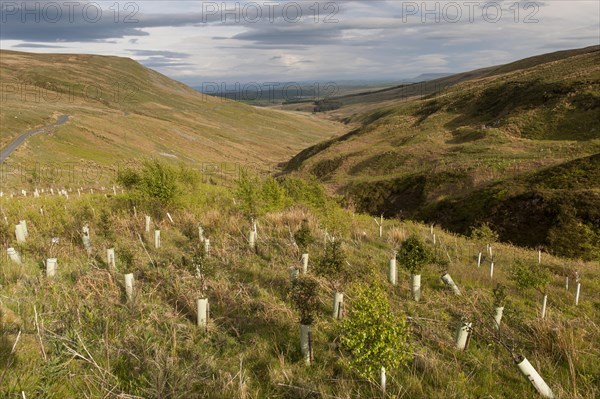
(199, 42)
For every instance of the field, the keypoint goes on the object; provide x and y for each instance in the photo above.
(79, 334)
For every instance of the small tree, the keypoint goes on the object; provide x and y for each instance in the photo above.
(304, 237)
(373, 335)
(304, 295)
(530, 276)
(200, 266)
(414, 254)
(332, 265)
(499, 295)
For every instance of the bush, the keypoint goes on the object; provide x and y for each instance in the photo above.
(373, 335)
(303, 236)
(529, 276)
(484, 234)
(304, 295)
(159, 181)
(414, 254)
(332, 265)
(499, 295)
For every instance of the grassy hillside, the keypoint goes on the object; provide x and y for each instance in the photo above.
(78, 335)
(120, 110)
(409, 157)
(81, 337)
(348, 107)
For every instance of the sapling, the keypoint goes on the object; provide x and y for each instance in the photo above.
(414, 254)
(304, 296)
(531, 276)
(304, 237)
(373, 335)
(499, 302)
(333, 267)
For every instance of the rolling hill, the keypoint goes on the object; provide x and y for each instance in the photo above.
(120, 111)
(492, 133)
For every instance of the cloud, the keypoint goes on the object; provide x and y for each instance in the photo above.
(36, 45)
(369, 40)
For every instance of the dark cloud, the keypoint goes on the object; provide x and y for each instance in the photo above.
(77, 26)
(36, 45)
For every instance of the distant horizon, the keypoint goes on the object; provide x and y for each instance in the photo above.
(242, 41)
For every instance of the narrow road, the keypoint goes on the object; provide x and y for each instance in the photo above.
(19, 140)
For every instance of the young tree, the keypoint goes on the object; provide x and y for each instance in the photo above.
(304, 295)
(372, 335)
(304, 237)
(333, 266)
(414, 254)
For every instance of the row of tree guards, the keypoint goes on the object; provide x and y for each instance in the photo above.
(60, 191)
(412, 255)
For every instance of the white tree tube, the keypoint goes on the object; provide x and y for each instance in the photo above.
(156, 238)
(415, 286)
(207, 246)
(147, 224)
(19, 234)
(23, 223)
(448, 280)
(305, 332)
(51, 264)
(535, 378)
(304, 263)
(544, 303)
(110, 258)
(499, 311)
(338, 305)
(252, 240)
(462, 335)
(14, 255)
(393, 272)
(202, 305)
(129, 286)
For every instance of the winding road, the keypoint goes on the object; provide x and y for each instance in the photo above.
(19, 140)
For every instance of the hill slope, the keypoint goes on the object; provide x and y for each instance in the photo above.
(119, 110)
(77, 334)
(410, 155)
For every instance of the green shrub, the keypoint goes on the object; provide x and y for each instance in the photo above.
(484, 234)
(529, 276)
(499, 295)
(373, 335)
(333, 265)
(303, 236)
(159, 181)
(304, 295)
(414, 254)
